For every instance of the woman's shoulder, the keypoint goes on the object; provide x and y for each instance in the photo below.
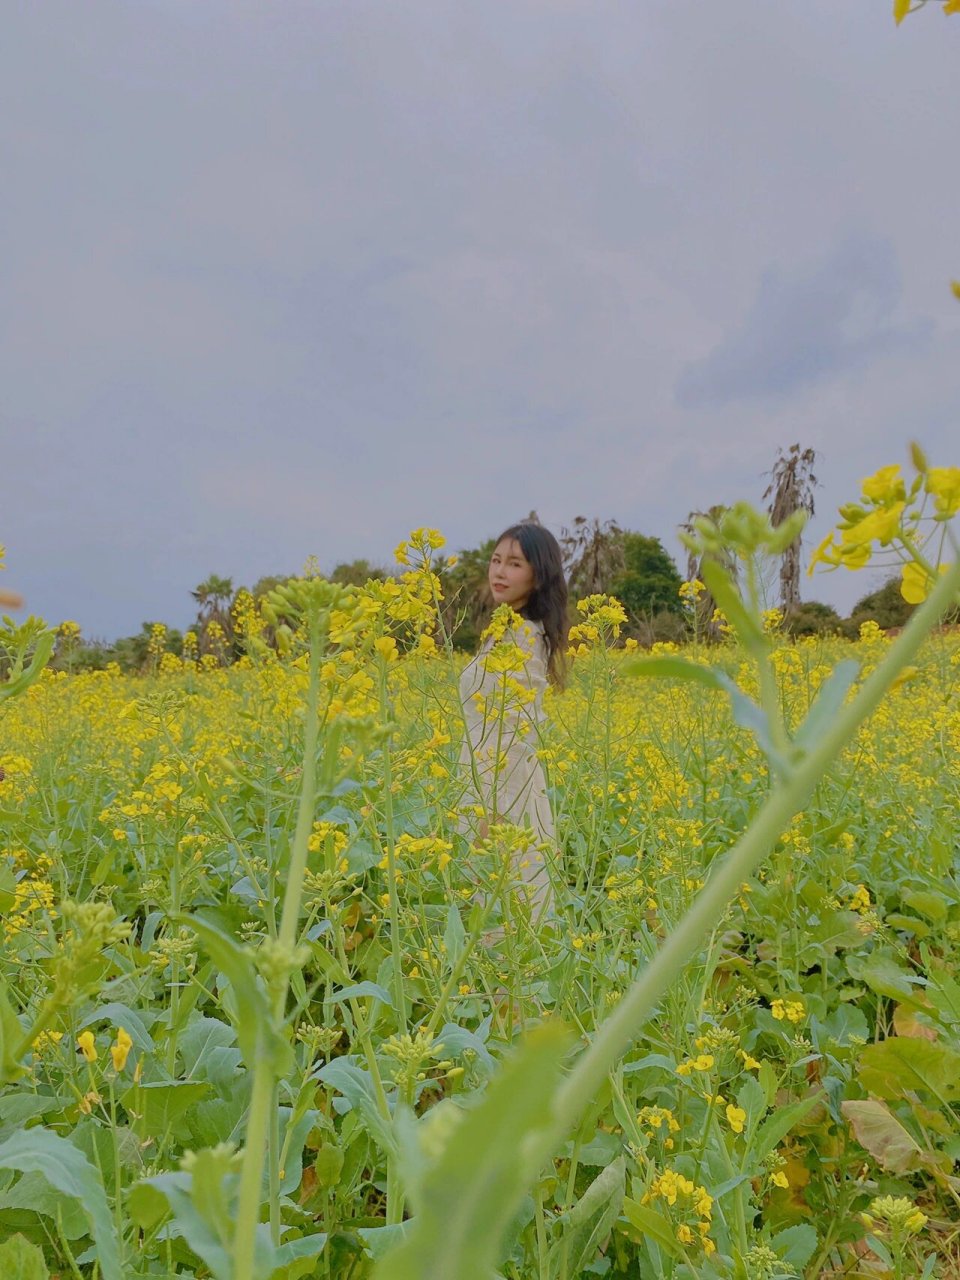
(529, 628)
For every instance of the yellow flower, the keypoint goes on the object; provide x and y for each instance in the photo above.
(780, 1179)
(792, 1010)
(120, 1049)
(87, 1045)
(917, 582)
(386, 646)
(879, 526)
(684, 1234)
(944, 485)
(750, 1064)
(736, 1117)
(860, 899)
(703, 1062)
(885, 485)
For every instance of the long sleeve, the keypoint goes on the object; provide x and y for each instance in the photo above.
(503, 704)
(502, 696)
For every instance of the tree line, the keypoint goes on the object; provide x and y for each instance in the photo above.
(599, 557)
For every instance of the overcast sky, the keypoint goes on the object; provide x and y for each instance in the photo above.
(289, 278)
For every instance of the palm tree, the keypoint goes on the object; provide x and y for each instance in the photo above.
(466, 594)
(791, 489)
(593, 556)
(213, 595)
(706, 605)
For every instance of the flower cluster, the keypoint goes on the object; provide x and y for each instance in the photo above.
(682, 1193)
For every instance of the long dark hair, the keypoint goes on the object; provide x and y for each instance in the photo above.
(548, 600)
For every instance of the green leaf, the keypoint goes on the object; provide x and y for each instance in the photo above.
(41, 656)
(357, 1087)
(931, 905)
(882, 1134)
(672, 668)
(377, 1241)
(585, 1227)
(454, 936)
(752, 1099)
(882, 974)
(209, 1242)
(21, 1260)
(11, 1037)
(253, 1018)
(943, 992)
(121, 1015)
(747, 627)
(33, 1192)
(8, 887)
(829, 700)
(776, 1127)
(198, 1041)
(900, 1063)
(358, 991)
(162, 1103)
(472, 1192)
(305, 1247)
(649, 1222)
(70, 1172)
(795, 1245)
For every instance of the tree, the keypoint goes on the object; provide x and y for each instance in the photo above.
(791, 489)
(706, 606)
(885, 606)
(650, 581)
(593, 556)
(812, 618)
(357, 573)
(213, 595)
(466, 594)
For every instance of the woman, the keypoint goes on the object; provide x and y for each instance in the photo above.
(502, 717)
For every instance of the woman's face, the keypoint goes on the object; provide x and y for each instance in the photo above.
(510, 575)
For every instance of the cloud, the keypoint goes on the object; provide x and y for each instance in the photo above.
(809, 327)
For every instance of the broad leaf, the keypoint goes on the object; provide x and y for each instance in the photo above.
(21, 1260)
(795, 1245)
(71, 1173)
(882, 1134)
(160, 1104)
(357, 1087)
(901, 1063)
(585, 1227)
(359, 991)
(776, 1127)
(472, 1193)
(651, 1223)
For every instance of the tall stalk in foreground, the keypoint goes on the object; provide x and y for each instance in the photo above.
(466, 1199)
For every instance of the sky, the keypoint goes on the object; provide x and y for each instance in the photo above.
(291, 279)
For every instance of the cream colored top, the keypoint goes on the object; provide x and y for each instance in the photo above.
(503, 713)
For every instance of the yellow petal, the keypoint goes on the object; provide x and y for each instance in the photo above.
(900, 10)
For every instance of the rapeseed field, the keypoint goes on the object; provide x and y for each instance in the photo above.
(251, 1005)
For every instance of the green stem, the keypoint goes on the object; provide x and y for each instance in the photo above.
(251, 1172)
(275, 1157)
(262, 1094)
(308, 784)
(787, 797)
